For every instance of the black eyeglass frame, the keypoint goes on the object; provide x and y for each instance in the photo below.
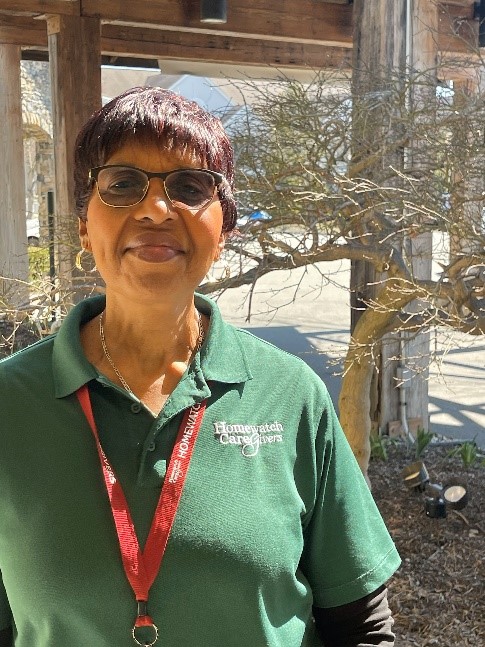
(95, 171)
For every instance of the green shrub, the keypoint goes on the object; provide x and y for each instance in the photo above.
(378, 446)
(38, 263)
(469, 454)
(423, 439)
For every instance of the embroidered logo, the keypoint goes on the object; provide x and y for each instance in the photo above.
(249, 438)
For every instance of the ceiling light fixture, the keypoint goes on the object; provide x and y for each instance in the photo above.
(213, 11)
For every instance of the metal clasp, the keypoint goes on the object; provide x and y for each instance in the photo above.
(153, 627)
(143, 613)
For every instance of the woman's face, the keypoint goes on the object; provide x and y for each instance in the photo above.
(152, 246)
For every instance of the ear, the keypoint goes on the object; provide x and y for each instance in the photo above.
(220, 246)
(83, 234)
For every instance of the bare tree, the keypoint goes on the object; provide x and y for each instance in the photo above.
(294, 155)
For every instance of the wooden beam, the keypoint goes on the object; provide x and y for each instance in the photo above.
(309, 19)
(460, 68)
(455, 36)
(23, 31)
(325, 25)
(74, 44)
(305, 20)
(139, 42)
(457, 31)
(219, 49)
(39, 7)
(457, 3)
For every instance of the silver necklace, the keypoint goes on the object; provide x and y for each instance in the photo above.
(124, 383)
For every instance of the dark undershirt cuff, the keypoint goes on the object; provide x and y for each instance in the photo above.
(364, 623)
(6, 638)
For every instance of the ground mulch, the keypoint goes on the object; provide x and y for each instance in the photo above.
(438, 594)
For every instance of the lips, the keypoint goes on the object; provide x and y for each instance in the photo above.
(155, 247)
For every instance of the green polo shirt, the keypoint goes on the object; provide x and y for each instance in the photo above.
(274, 517)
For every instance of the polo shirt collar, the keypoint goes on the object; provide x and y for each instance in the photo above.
(70, 367)
(222, 357)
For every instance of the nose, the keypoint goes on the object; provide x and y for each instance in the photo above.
(155, 206)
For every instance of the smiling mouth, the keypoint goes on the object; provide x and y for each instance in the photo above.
(153, 253)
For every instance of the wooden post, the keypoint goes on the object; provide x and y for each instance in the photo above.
(423, 78)
(377, 63)
(14, 262)
(403, 32)
(467, 197)
(75, 65)
(377, 80)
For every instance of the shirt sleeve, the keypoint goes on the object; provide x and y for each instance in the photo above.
(348, 552)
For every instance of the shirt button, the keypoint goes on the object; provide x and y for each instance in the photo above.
(151, 447)
(135, 407)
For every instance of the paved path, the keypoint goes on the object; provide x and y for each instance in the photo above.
(316, 327)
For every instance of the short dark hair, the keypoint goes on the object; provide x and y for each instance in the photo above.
(154, 115)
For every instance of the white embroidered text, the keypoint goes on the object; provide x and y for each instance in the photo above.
(249, 438)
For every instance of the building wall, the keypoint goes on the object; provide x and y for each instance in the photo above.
(38, 147)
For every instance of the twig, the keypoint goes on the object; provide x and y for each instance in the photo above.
(465, 520)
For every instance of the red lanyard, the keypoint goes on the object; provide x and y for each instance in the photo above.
(141, 568)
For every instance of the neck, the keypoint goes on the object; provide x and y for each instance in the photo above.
(144, 349)
(154, 330)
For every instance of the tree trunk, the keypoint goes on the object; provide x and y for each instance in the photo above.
(354, 401)
(360, 362)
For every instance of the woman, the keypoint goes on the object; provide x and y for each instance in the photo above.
(264, 532)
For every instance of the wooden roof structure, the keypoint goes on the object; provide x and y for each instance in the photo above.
(76, 35)
(314, 33)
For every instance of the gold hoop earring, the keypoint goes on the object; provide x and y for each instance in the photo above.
(79, 264)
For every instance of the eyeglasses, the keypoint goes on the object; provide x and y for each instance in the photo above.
(125, 186)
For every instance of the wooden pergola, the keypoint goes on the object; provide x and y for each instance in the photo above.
(76, 35)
